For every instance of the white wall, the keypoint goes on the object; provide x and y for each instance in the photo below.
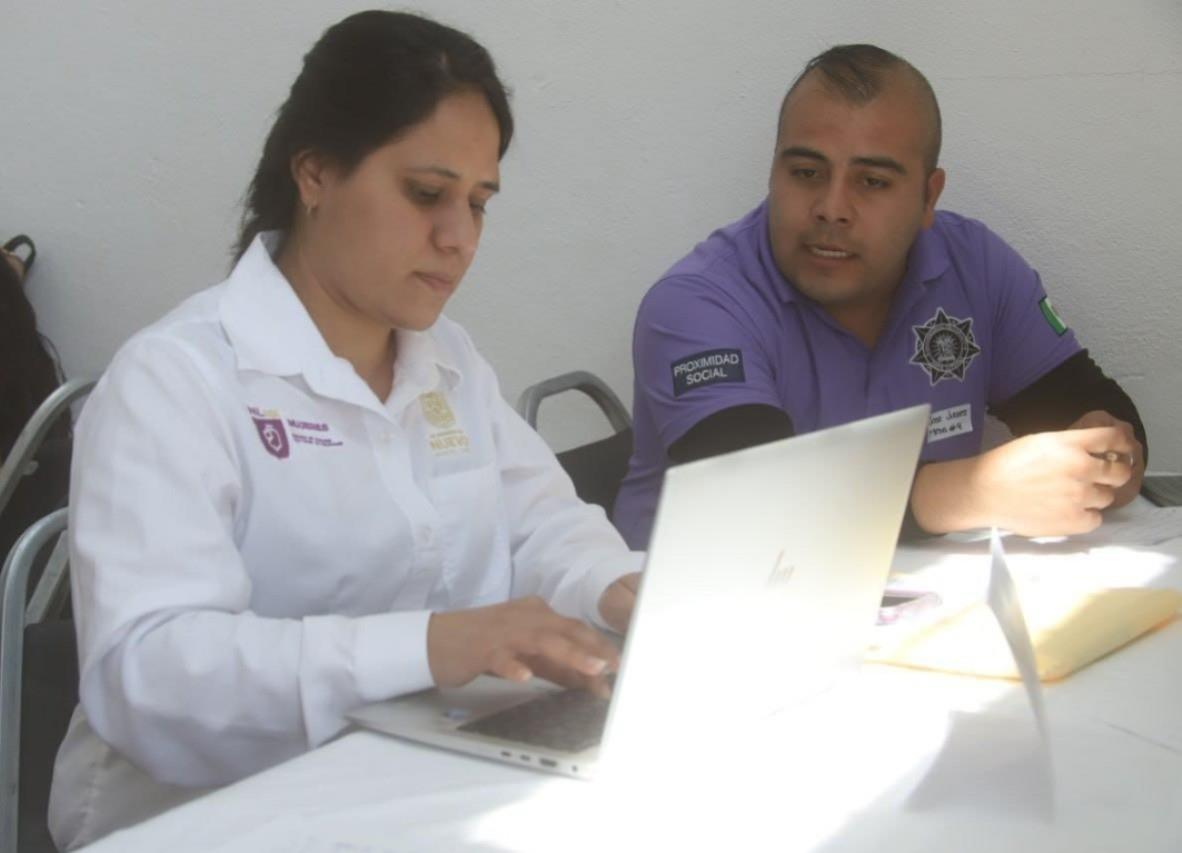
(130, 130)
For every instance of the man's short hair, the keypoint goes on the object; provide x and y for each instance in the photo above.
(860, 72)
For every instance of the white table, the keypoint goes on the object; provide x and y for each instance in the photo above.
(839, 776)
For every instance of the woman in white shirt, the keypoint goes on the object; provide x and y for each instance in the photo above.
(301, 490)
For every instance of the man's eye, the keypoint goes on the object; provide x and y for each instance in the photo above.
(876, 183)
(479, 207)
(804, 173)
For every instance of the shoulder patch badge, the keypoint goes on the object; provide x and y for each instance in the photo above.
(707, 368)
(1053, 319)
(945, 347)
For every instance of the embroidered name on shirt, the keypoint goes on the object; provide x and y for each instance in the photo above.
(707, 368)
(945, 347)
(951, 422)
(447, 437)
(278, 438)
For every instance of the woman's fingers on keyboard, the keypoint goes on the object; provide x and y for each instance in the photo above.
(567, 677)
(512, 639)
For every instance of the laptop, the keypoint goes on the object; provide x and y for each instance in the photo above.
(762, 584)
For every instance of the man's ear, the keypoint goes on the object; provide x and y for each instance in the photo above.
(931, 194)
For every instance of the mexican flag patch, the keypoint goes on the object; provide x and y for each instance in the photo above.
(1053, 319)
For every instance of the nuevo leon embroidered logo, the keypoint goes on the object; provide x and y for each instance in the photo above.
(436, 410)
(446, 437)
(274, 436)
(945, 347)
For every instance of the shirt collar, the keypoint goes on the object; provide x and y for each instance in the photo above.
(272, 332)
(421, 362)
(927, 259)
(266, 323)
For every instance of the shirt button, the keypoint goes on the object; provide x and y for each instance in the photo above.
(426, 535)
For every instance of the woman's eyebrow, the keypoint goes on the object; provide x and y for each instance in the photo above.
(444, 172)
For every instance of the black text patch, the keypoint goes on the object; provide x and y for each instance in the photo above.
(707, 368)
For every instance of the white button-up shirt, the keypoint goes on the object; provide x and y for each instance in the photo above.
(257, 541)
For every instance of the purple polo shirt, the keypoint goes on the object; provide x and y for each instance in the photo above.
(970, 326)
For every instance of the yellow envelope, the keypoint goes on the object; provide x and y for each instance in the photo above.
(1068, 630)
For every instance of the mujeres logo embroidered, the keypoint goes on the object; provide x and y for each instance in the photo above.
(273, 429)
(274, 436)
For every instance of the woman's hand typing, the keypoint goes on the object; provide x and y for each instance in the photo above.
(517, 640)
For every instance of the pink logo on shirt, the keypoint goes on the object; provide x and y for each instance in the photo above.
(274, 436)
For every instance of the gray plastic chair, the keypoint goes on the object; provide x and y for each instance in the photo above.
(20, 458)
(597, 468)
(38, 684)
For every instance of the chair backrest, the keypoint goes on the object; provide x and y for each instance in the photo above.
(39, 671)
(20, 458)
(35, 475)
(597, 468)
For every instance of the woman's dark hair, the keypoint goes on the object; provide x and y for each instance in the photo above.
(28, 373)
(370, 77)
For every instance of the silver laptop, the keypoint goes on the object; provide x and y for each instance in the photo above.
(762, 583)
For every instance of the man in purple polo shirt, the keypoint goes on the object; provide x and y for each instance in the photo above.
(845, 294)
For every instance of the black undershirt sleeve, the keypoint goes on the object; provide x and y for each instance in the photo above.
(731, 429)
(1060, 396)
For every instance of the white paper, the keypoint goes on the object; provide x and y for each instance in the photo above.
(1147, 527)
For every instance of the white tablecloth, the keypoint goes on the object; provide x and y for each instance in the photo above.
(897, 759)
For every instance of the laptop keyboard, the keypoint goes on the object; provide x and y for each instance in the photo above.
(1163, 489)
(566, 720)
